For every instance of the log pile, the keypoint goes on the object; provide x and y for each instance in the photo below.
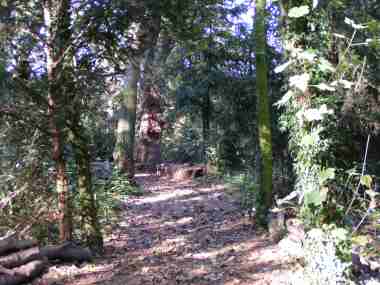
(179, 172)
(23, 260)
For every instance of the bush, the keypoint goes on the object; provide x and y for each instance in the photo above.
(109, 195)
(322, 264)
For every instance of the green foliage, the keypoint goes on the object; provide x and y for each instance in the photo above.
(198, 71)
(249, 195)
(120, 186)
(342, 240)
(109, 196)
(327, 69)
(297, 12)
(182, 142)
(249, 191)
(312, 110)
(322, 262)
(26, 199)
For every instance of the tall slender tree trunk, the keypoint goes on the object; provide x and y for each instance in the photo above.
(206, 109)
(143, 33)
(64, 200)
(264, 120)
(89, 225)
(57, 21)
(206, 104)
(125, 137)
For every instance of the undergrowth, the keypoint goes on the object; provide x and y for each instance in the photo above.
(110, 195)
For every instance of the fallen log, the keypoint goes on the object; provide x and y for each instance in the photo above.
(180, 172)
(21, 257)
(10, 244)
(67, 252)
(4, 270)
(22, 261)
(190, 172)
(23, 273)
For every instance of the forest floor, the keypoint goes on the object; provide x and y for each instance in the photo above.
(187, 232)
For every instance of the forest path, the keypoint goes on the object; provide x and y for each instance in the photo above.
(184, 233)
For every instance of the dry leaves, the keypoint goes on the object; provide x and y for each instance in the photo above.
(183, 233)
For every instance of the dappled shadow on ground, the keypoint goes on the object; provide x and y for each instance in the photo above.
(184, 233)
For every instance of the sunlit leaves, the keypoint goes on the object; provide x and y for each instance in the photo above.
(339, 234)
(325, 66)
(308, 140)
(326, 174)
(307, 55)
(324, 87)
(280, 68)
(315, 197)
(361, 240)
(285, 99)
(300, 81)
(298, 12)
(344, 83)
(339, 36)
(353, 24)
(366, 180)
(314, 114)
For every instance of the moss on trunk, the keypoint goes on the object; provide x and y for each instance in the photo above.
(58, 38)
(125, 137)
(89, 223)
(264, 120)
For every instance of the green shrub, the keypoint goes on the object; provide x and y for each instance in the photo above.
(110, 194)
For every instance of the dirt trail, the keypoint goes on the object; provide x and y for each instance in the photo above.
(183, 233)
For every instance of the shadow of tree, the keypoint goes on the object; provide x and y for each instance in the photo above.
(185, 233)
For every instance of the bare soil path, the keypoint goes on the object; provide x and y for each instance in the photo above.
(189, 233)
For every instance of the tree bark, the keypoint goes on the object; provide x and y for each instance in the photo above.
(206, 109)
(143, 33)
(10, 243)
(89, 225)
(67, 252)
(23, 273)
(21, 257)
(264, 120)
(24, 265)
(151, 126)
(125, 137)
(57, 23)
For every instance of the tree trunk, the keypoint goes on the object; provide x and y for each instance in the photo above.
(57, 22)
(89, 225)
(151, 126)
(206, 125)
(149, 148)
(64, 202)
(264, 121)
(143, 34)
(125, 137)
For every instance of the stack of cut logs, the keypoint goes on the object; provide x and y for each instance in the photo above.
(179, 172)
(23, 260)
